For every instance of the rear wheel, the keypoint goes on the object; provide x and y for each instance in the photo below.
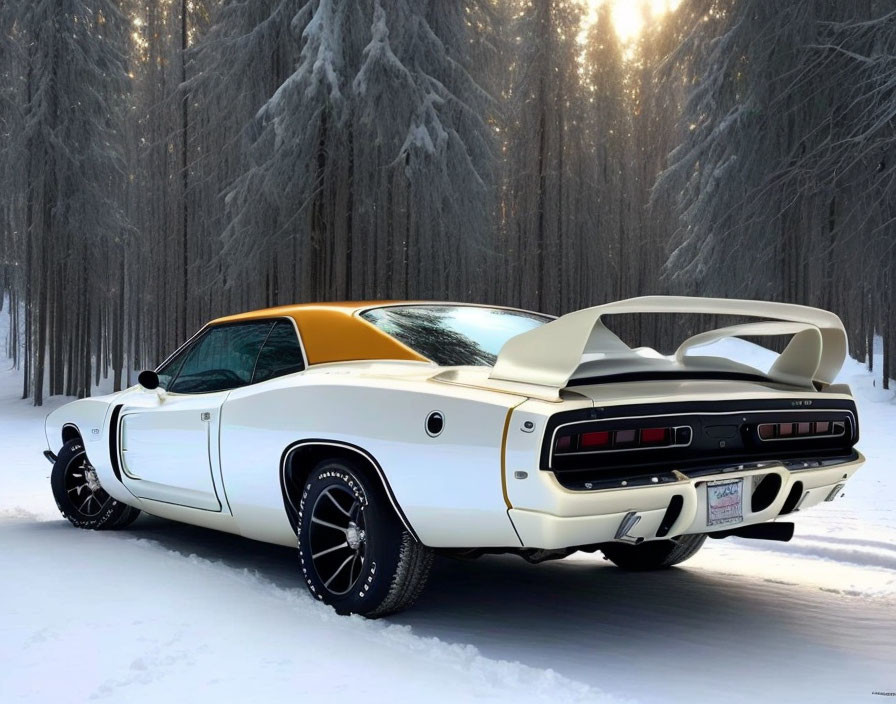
(354, 552)
(79, 495)
(653, 555)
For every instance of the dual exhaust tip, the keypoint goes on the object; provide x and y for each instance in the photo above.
(779, 531)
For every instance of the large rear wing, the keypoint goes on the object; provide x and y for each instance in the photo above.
(578, 345)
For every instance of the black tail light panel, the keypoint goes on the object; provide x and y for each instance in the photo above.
(637, 439)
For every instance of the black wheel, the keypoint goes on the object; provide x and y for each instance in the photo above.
(354, 552)
(654, 554)
(80, 497)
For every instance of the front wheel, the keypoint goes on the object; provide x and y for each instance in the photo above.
(80, 497)
(653, 555)
(354, 552)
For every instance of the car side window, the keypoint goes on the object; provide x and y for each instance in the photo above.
(223, 359)
(281, 353)
(168, 372)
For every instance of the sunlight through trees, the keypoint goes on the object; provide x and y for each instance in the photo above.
(166, 161)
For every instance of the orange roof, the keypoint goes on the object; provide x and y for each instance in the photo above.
(332, 332)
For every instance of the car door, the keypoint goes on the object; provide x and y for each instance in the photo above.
(169, 440)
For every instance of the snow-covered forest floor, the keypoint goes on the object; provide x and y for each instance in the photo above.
(166, 612)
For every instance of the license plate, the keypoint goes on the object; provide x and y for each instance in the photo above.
(724, 502)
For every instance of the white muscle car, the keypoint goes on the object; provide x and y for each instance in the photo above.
(376, 434)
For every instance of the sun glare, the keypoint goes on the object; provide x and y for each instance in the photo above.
(628, 19)
(630, 16)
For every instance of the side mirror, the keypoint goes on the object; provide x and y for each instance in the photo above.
(148, 380)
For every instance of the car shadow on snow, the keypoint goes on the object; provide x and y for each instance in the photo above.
(591, 622)
(574, 609)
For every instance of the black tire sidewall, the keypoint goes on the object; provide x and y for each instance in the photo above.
(640, 558)
(70, 453)
(652, 555)
(383, 530)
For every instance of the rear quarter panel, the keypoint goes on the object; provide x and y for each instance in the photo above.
(449, 486)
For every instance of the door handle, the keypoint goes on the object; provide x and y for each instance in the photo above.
(205, 416)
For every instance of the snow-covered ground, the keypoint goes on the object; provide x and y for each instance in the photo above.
(166, 612)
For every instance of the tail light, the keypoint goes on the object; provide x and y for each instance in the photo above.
(801, 430)
(624, 439)
(654, 436)
(710, 435)
(590, 440)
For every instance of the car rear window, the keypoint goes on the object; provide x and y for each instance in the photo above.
(454, 335)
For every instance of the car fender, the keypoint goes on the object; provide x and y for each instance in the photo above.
(90, 417)
(449, 485)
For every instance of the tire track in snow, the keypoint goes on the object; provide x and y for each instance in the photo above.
(861, 553)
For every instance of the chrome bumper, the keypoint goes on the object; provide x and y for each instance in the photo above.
(569, 518)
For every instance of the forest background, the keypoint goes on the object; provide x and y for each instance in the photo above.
(163, 162)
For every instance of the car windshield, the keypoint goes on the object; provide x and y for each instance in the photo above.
(454, 335)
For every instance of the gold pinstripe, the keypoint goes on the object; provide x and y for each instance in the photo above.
(504, 458)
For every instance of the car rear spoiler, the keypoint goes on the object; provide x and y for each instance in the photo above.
(579, 346)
